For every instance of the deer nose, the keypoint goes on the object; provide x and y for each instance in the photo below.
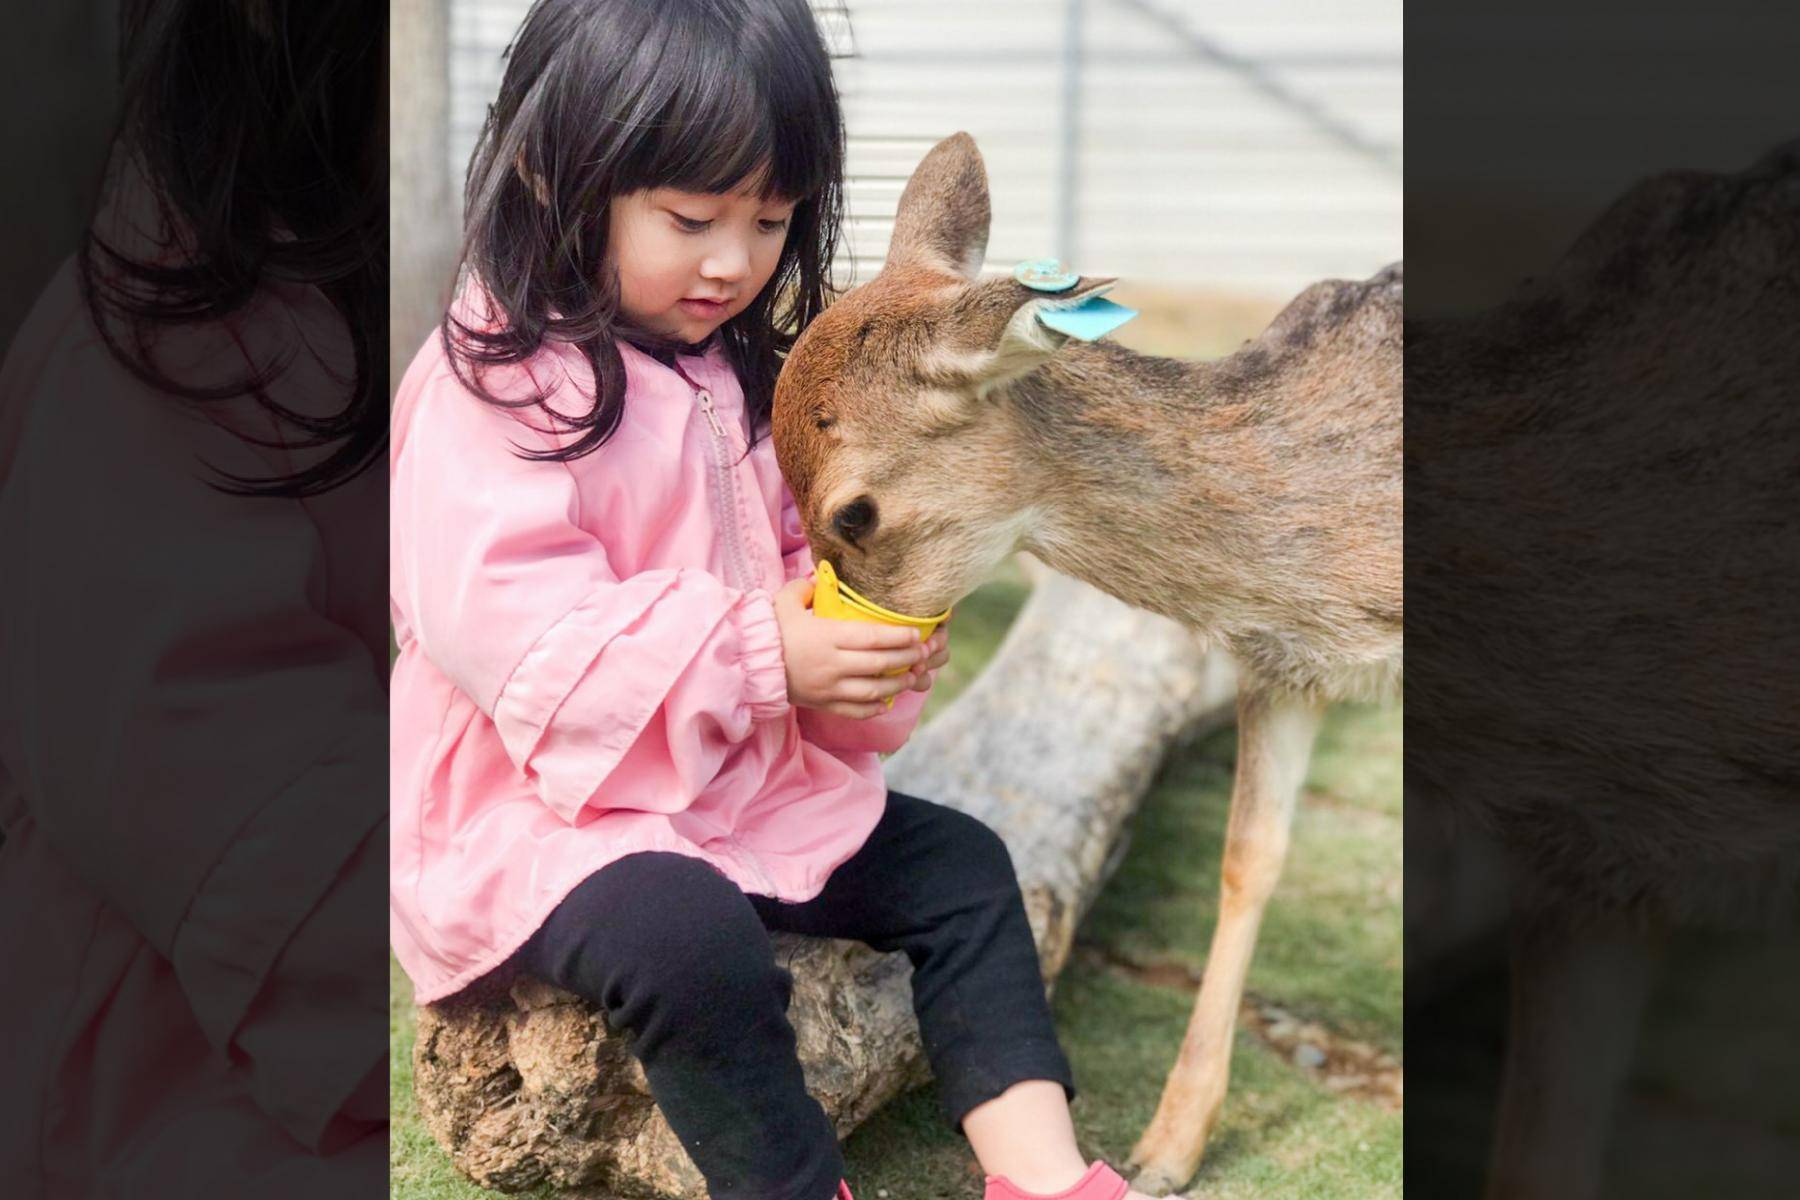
(855, 519)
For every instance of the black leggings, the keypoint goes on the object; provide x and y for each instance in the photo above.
(674, 953)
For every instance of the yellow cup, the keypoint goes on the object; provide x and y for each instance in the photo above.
(833, 598)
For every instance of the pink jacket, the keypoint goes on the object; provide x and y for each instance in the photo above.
(192, 728)
(589, 663)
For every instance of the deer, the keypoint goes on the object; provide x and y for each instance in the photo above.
(929, 425)
(1602, 475)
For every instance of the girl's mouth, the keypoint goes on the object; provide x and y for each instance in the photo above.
(704, 308)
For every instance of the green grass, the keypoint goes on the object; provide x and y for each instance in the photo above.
(1330, 946)
(1329, 952)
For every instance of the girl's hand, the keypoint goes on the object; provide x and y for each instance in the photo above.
(937, 653)
(838, 666)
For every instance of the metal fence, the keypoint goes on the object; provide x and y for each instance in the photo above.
(1244, 147)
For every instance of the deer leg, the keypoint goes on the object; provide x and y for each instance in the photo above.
(1275, 738)
(1577, 996)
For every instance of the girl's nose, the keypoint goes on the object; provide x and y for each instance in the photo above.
(728, 263)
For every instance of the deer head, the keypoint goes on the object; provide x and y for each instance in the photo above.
(906, 467)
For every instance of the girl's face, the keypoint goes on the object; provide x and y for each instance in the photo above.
(690, 261)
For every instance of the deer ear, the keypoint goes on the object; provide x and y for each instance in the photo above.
(1020, 340)
(942, 221)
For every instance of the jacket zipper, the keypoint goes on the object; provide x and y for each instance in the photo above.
(737, 566)
(735, 560)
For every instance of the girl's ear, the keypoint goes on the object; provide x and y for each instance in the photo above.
(532, 180)
(942, 221)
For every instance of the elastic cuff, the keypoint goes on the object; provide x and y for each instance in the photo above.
(968, 1085)
(760, 652)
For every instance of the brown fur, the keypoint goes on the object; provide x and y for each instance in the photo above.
(1603, 477)
(1257, 499)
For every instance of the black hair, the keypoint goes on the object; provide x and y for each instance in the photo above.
(256, 131)
(602, 98)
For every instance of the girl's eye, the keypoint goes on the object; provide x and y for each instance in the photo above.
(774, 226)
(688, 224)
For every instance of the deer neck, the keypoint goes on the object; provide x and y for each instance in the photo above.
(1150, 478)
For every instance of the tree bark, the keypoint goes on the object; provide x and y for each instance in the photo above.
(1053, 746)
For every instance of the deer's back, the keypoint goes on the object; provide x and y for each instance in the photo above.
(1603, 483)
(1283, 491)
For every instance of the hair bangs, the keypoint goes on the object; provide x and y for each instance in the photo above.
(711, 138)
(737, 116)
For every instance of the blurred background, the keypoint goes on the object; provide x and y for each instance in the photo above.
(45, 206)
(1217, 158)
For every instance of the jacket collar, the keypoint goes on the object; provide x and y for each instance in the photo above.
(705, 366)
(698, 349)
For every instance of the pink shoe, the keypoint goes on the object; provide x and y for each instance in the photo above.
(844, 1191)
(1100, 1183)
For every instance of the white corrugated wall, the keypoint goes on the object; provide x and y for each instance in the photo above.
(1245, 146)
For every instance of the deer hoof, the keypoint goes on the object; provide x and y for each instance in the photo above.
(1155, 1179)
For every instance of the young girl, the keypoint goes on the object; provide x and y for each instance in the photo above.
(623, 747)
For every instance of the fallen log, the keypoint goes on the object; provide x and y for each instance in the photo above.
(1053, 745)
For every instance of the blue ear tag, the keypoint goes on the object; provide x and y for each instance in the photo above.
(1044, 275)
(1090, 320)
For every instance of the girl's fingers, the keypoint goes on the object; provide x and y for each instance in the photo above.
(798, 590)
(858, 712)
(937, 652)
(867, 635)
(861, 689)
(877, 662)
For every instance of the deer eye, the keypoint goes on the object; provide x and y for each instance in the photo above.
(823, 421)
(855, 519)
